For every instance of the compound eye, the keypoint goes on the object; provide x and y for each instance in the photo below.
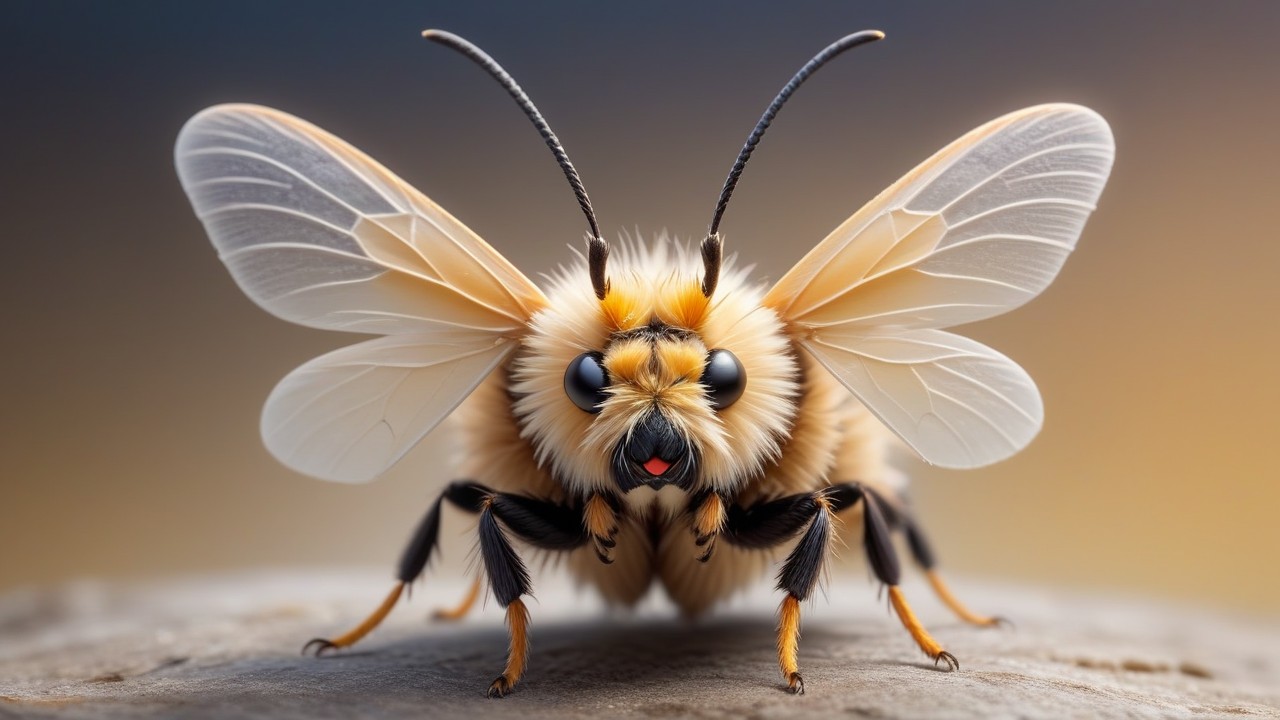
(724, 377)
(585, 380)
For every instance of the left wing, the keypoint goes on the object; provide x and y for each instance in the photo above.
(350, 414)
(318, 233)
(978, 229)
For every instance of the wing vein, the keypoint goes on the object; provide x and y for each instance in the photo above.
(898, 311)
(1021, 160)
(1023, 203)
(239, 179)
(216, 150)
(324, 145)
(473, 257)
(988, 421)
(266, 207)
(976, 279)
(994, 392)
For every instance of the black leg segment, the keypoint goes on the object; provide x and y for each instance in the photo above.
(899, 518)
(799, 574)
(507, 572)
(543, 524)
(771, 523)
(464, 494)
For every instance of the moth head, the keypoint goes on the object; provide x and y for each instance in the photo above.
(666, 368)
(656, 383)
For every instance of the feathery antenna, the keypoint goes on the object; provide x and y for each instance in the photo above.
(597, 248)
(712, 245)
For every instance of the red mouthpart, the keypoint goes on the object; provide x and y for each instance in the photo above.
(656, 466)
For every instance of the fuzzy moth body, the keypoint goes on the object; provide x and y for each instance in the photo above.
(652, 411)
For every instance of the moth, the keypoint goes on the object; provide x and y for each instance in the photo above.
(652, 414)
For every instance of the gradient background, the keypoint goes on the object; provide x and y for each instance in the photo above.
(134, 370)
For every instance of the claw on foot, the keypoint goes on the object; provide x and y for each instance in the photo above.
(322, 646)
(500, 687)
(994, 621)
(795, 684)
(952, 663)
(944, 593)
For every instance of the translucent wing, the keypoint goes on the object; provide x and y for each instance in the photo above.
(317, 233)
(977, 230)
(350, 414)
(955, 401)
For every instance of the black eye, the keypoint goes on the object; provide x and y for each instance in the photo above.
(585, 381)
(724, 377)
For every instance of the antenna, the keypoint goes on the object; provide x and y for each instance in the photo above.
(712, 244)
(597, 248)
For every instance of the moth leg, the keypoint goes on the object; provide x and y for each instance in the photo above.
(884, 562)
(350, 637)
(923, 555)
(460, 610)
(789, 643)
(900, 517)
(600, 517)
(543, 525)
(770, 524)
(798, 577)
(709, 515)
(422, 544)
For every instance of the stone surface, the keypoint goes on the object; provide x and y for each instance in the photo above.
(228, 647)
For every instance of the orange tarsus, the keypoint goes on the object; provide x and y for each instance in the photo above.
(944, 593)
(789, 643)
(354, 635)
(517, 653)
(918, 632)
(460, 611)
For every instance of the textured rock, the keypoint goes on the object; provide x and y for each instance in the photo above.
(228, 647)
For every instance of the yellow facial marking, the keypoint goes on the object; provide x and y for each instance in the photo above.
(628, 361)
(681, 360)
(661, 367)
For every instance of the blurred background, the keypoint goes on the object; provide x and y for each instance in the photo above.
(134, 370)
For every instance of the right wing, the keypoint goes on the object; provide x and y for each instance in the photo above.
(316, 232)
(976, 230)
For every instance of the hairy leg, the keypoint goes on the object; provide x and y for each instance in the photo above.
(772, 523)
(899, 517)
(541, 523)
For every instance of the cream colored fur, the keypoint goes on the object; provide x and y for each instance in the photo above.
(780, 438)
